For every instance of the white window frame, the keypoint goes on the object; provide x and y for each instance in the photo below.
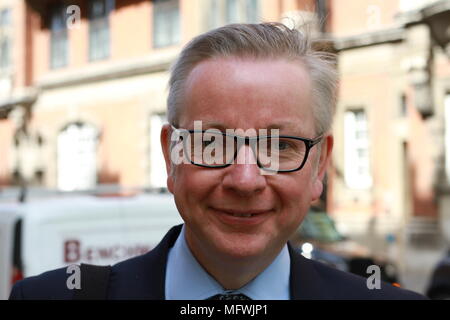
(77, 157)
(166, 23)
(99, 30)
(221, 12)
(59, 43)
(6, 38)
(357, 172)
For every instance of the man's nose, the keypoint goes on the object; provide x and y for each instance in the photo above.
(244, 176)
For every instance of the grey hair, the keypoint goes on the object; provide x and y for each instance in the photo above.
(264, 40)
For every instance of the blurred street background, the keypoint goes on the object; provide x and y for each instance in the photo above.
(83, 87)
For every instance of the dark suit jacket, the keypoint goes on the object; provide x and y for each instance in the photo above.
(143, 277)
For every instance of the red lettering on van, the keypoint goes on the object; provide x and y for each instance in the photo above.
(71, 251)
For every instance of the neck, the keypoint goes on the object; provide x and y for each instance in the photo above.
(232, 273)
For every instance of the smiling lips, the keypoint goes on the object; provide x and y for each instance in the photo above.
(241, 216)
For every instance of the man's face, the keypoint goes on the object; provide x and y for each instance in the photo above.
(246, 94)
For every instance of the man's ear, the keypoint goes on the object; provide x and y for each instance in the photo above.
(166, 132)
(324, 161)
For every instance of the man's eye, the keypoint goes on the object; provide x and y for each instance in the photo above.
(284, 145)
(207, 143)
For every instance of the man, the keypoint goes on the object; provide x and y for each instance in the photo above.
(250, 109)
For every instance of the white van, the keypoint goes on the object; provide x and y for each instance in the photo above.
(50, 232)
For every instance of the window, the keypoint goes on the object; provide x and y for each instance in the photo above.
(158, 176)
(77, 157)
(232, 11)
(214, 13)
(5, 52)
(99, 37)
(5, 17)
(356, 153)
(252, 11)
(5, 38)
(58, 37)
(447, 134)
(403, 106)
(166, 23)
(221, 12)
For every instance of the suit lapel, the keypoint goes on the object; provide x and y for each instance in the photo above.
(305, 282)
(154, 271)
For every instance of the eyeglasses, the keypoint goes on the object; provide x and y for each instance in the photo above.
(215, 149)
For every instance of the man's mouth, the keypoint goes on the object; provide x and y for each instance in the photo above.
(243, 215)
(232, 215)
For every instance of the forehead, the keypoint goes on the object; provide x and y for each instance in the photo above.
(249, 93)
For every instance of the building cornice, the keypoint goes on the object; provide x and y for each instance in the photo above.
(436, 15)
(24, 98)
(109, 71)
(404, 20)
(396, 34)
(424, 13)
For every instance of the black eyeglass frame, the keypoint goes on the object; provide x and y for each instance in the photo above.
(309, 143)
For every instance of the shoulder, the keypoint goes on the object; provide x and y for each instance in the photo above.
(314, 280)
(344, 285)
(126, 278)
(130, 279)
(51, 285)
(141, 277)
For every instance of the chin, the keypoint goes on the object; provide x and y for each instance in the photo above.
(243, 246)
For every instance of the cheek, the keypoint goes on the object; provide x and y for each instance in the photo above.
(193, 184)
(295, 192)
(296, 185)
